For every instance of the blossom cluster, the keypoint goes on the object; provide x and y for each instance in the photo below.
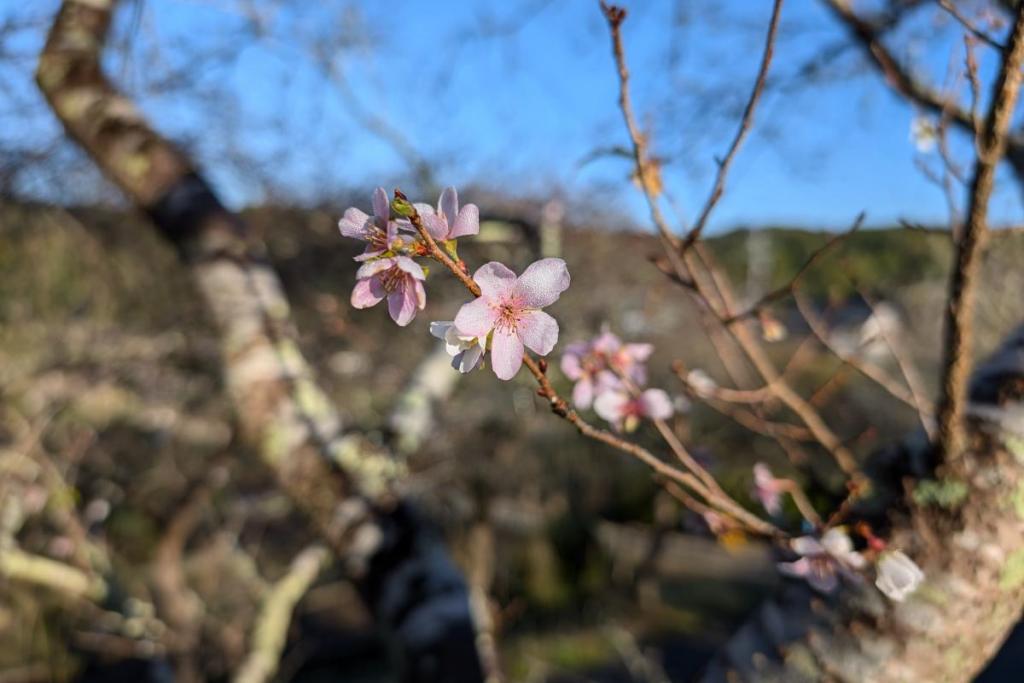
(505, 320)
(609, 376)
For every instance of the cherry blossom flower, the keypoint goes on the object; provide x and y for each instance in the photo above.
(596, 366)
(924, 134)
(589, 371)
(823, 561)
(508, 310)
(768, 489)
(624, 412)
(898, 575)
(466, 352)
(378, 231)
(398, 278)
(449, 222)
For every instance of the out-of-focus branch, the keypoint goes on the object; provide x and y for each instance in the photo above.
(413, 417)
(18, 565)
(271, 630)
(789, 287)
(959, 335)
(866, 368)
(695, 266)
(746, 122)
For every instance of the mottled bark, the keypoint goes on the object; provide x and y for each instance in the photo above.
(972, 553)
(344, 485)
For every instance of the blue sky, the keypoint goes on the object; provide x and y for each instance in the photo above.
(515, 95)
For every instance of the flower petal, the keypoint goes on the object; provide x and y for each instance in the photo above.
(495, 280)
(506, 353)
(476, 319)
(571, 366)
(402, 305)
(371, 268)
(353, 224)
(538, 330)
(656, 404)
(468, 359)
(381, 207)
(583, 394)
(448, 204)
(541, 283)
(611, 405)
(466, 223)
(439, 328)
(367, 292)
(411, 267)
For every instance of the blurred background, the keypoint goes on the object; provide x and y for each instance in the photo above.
(110, 368)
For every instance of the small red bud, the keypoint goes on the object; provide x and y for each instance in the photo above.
(543, 365)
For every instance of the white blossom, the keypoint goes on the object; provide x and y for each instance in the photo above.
(898, 575)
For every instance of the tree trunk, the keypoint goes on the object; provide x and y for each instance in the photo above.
(971, 551)
(342, 483)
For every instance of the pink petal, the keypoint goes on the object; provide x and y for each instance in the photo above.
(607, 343)
(583, 394)
(466, 223)
(402, 305)
(421, 294)
(372, 268)
(494, 279)
(542, 283)
(411, 267)
(639, 352)
(448, 204)
(656, 404)
(368, 254)
(476, 319)
(798, 569)
(436, 226)
(367, 293)
(381, 207)
(538, 330)
(506, 353)
(611, 405)
(353, 224)
(570, 364)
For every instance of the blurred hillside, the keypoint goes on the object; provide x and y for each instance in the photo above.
(103, 340)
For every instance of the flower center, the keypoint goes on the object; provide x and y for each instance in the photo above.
(508, 317)
(392, 278)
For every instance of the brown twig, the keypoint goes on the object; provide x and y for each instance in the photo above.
(959, 337)
(788, 288)
(696, 263)
(746, 122)
(969, 25)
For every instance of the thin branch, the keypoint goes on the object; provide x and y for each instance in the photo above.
(788, 288)
(18, 565)
(969, 25)
(866, 368)
(746, 122)
(959, 334)
(688, 270)
(271, 630)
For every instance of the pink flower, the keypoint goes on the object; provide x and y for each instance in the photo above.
(624, 359)
(448, 222)
(589, 371)
(378, 231)
(823, 561)
(509, 309)
(398, 278)
(768, 489)
(596, 365)
(624, 412)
